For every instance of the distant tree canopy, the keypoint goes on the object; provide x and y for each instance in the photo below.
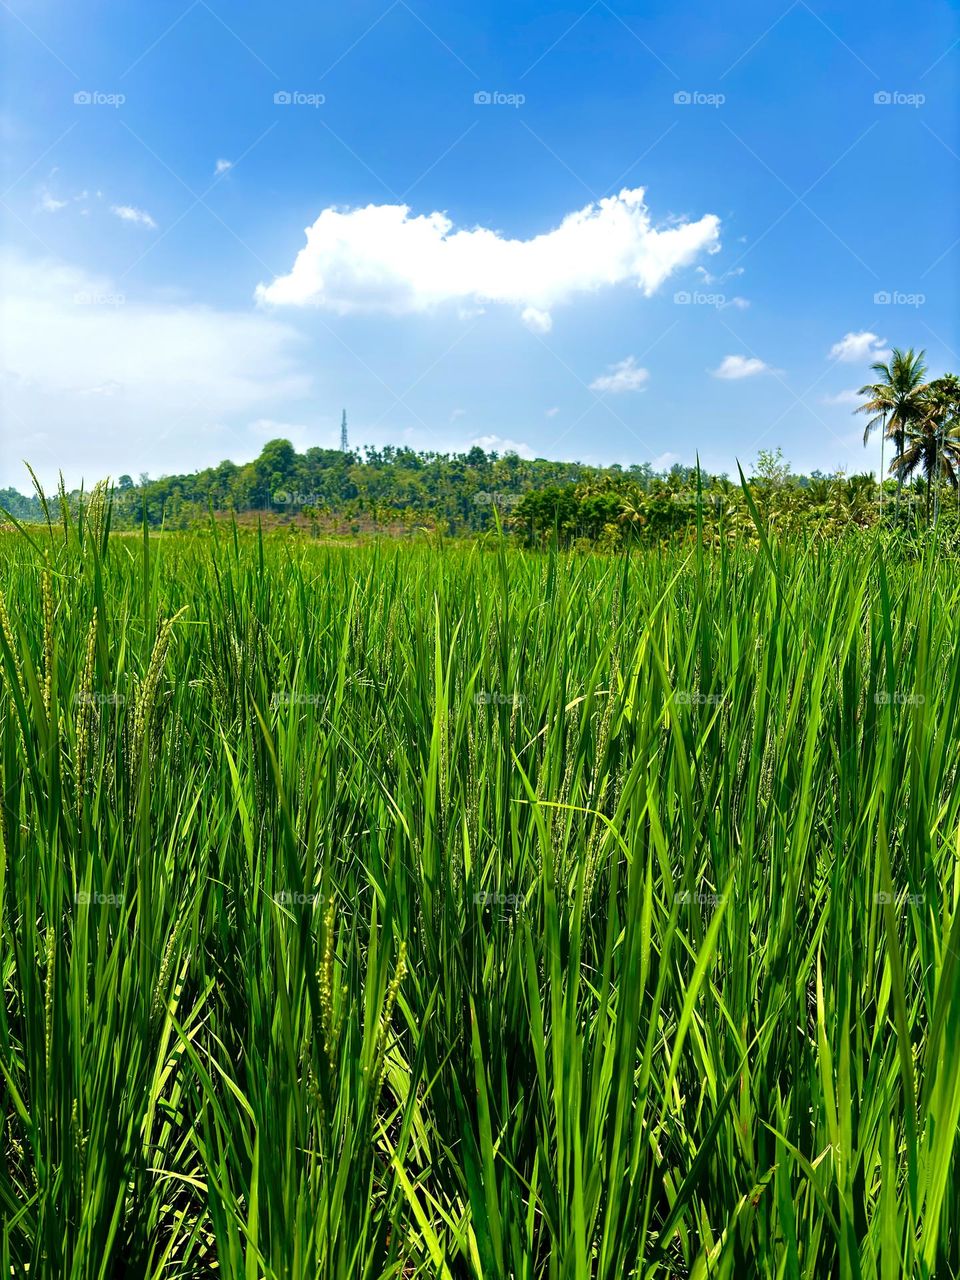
(461, 489)
(570, 503)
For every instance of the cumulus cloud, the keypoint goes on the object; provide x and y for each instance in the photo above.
(732, 367)
(114, 384)
(854, 347)
(222, 166)
(625, 376)
(128, 213)
(384, 258)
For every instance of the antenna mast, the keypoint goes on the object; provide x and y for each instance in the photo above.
(344, 445)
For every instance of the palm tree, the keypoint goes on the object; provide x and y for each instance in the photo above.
(932, 443)
(895, 401)
(631, 510)
(942, 409)
(820, 488)
(880, 405)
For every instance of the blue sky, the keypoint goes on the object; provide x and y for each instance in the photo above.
(157, 318)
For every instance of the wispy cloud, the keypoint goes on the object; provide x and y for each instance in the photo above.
(128, 213)
(665, 461)
(842, 397)
(708, 277)
(93, 366)
(50, 204)
(625, 376)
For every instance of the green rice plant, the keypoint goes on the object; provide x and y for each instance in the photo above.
(453, 910)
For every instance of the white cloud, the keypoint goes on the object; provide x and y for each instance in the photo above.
(732, 367)
(50, 204)
(300, 435)
(497, 444)
(274, 430)
(854, 347)
(537, 320)
(128, 213)
(222, 166)
(552, 413)
(383, 258)
(123, 385)
(457, 413)
(104, 389)
(625, 376)
(665, 461)
(709, 278)
(842, 397)
(740, 303)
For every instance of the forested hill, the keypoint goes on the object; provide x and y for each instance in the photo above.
(373, 483)
(457, 486)
(398, 488)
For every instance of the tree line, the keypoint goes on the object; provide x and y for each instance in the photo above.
(572, 503)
